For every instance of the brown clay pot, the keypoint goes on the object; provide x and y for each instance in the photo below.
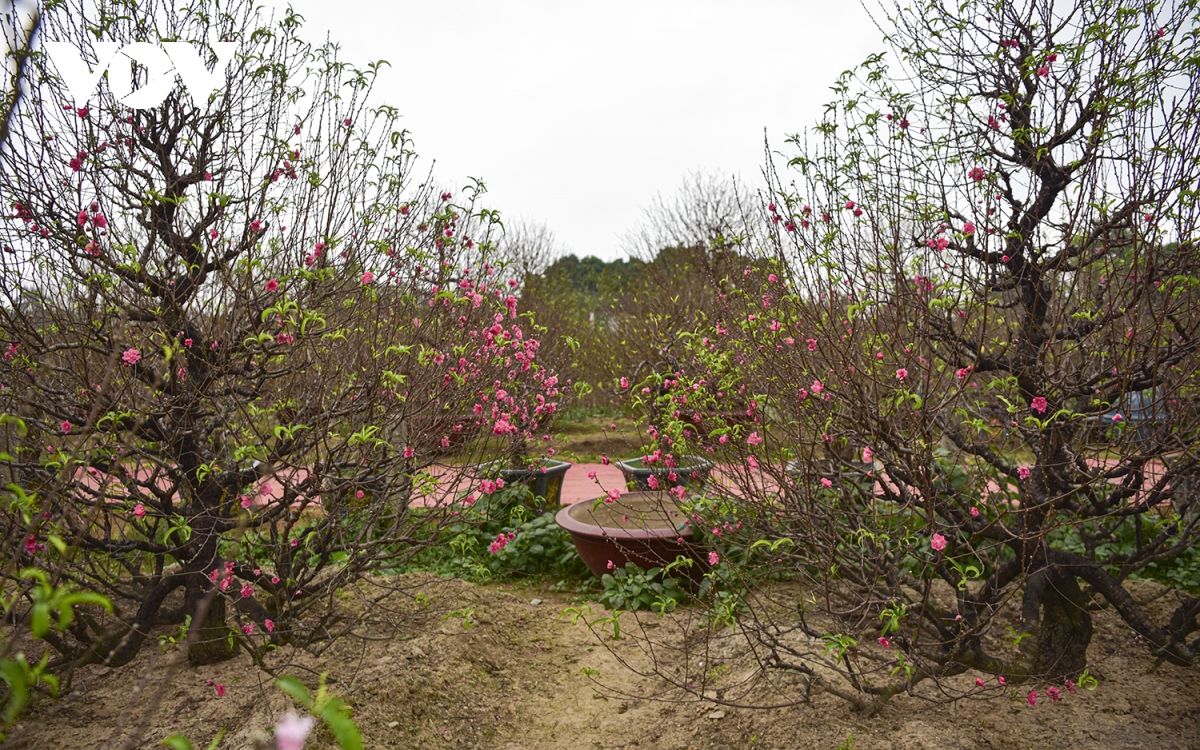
(645, 528)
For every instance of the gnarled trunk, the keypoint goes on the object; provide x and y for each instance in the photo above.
(213, 642)
(1055, 602)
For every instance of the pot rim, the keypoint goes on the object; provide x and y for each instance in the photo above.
(564, 519)
(551, 465)
(688, 463)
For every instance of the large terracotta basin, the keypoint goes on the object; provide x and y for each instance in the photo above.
(645, 528)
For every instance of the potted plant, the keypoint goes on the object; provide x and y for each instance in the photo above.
(654, 471)
(517, 465)
(544, 477)
(668, 427)
(645, 528)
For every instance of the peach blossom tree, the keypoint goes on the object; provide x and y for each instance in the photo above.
(241, 333)
(970, 345)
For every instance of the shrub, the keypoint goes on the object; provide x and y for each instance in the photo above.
(632, 588)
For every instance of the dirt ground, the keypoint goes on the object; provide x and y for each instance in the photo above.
(513, 680)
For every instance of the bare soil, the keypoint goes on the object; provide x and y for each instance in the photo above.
(512, 679)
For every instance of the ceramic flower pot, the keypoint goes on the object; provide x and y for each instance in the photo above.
(645, 528)
(545, 479)
(692, 470)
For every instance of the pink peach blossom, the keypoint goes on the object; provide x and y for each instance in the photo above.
(291, 731)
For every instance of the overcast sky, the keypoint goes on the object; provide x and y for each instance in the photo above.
(576, 115)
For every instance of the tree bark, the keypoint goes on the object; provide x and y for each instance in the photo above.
(213, 642)
(1065, 628)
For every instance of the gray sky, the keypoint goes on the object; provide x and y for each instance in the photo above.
(576, 115)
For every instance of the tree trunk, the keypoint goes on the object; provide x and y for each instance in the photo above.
(1065, 630)
(213, 641)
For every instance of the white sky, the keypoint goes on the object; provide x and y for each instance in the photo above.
(576, 115)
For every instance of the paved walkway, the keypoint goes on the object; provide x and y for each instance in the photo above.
(578, 486)
(578, 483)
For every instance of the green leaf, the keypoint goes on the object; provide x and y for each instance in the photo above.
(39, 621)
(216, 740)
(296, 689)
(66, 605)
(14, 672)
(345, 731)
(178, 742)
